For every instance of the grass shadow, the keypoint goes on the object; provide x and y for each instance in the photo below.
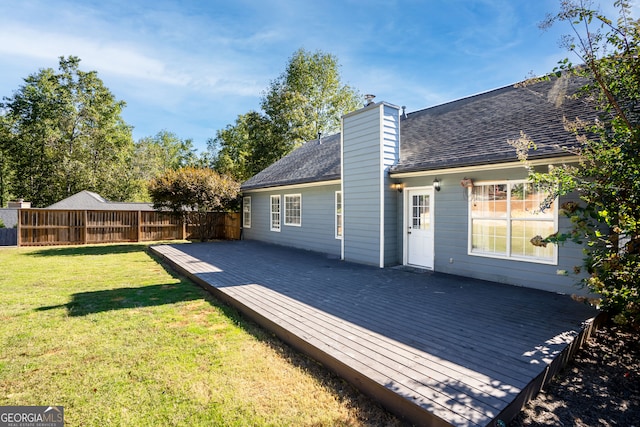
(89, 250)
(99, 249)
(84, 303)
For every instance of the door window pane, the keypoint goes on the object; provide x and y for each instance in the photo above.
(421, 216)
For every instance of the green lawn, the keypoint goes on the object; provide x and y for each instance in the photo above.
(108, 333)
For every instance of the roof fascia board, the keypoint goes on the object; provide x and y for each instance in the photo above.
(294, 186)
(487, 167)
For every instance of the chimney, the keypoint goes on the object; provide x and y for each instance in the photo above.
(368, 99)
(19, 204)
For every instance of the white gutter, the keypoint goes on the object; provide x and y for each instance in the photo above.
(294, 186)
(486, 167)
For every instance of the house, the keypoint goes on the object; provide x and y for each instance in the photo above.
(438, 189)
(88, 200)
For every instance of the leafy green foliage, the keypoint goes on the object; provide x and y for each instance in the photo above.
(63, 133)
(152, 156)
(607, 176)
(192, 192)
(305, 100)
(247, 147)
(164, 151)
(308, 98)
(193, 189)
(5, 175)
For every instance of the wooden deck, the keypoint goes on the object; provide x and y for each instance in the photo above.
(435, 349)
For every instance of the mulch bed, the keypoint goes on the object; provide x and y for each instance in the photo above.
(600, 387)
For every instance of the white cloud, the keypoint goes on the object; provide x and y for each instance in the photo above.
(126, 61)
(106, 57)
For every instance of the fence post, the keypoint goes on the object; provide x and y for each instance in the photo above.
(85, 220)
(19, 241)
(139, 228)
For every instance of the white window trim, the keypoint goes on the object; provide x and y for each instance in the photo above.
(286, 219)
(341, 214)
(246, 202)
(508, 218)
(271, 212)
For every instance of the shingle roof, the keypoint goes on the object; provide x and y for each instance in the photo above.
(474, 130)
(467, 132)
(312, 162)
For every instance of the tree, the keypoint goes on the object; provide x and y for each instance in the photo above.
(607, 177)
(308, 98)
(164, 151)
(247, 147)
(63, 133)
(192, 192)
(150, 157)
(5, 171)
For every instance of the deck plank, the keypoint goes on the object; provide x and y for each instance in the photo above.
(440, 350)
(393, 355)
(350, 350)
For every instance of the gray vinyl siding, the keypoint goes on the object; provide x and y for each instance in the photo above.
(370, 147)
(451, 239)
(317, 230)
(361, 186)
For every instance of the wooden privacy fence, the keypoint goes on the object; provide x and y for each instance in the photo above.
(43, 227)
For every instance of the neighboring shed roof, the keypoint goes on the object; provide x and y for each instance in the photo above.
(92, 201)
(317, 160)
(467, 132)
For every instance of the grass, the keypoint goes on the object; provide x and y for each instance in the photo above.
(108, 333)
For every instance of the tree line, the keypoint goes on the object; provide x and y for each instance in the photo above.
(62, 132)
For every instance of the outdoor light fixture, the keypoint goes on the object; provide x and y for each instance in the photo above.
(466, 182)
(436, 184)
(398, 186)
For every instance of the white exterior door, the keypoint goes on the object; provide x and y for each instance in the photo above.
(419, 240)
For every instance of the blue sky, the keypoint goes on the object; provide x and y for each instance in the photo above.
(192, 66)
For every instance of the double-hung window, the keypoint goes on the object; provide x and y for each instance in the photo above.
(246, 212)
(505, 216)
(275, 213)
(338, 215)
(293, 209)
